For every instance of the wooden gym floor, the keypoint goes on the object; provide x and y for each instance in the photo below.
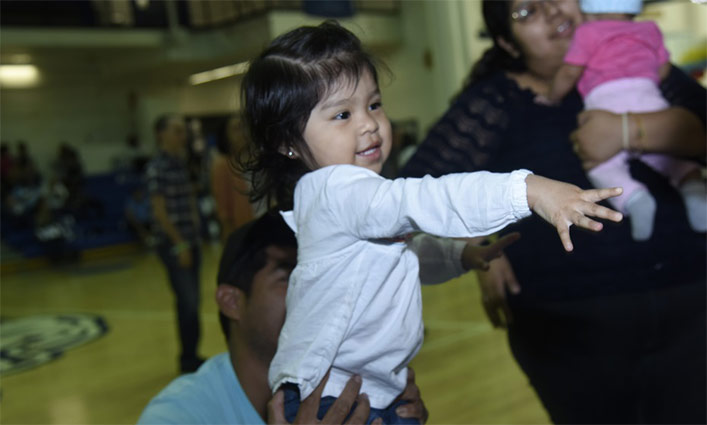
(464, 370)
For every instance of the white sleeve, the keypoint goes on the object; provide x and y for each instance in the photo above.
(440, 258)
(455, 205)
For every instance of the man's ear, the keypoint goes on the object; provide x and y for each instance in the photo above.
(508, 47)
(231, 301)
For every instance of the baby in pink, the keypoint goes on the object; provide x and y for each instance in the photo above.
(616, 64)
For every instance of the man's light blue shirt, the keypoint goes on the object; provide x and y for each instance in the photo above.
(211, 395)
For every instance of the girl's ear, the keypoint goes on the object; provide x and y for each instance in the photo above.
(288, 152)
(231, 301)
(508, 47)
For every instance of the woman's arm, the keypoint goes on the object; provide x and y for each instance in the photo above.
(678, 130)
(674, 131)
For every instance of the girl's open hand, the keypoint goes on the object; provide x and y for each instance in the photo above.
(562, 205)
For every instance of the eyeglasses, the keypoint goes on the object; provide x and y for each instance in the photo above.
(527, 9)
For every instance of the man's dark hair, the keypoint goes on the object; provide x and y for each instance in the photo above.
(244, 254)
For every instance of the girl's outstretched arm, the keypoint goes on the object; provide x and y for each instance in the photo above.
(562, 205)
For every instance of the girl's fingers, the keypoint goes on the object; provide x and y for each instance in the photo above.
(596, 195)
(599, 211)
(609, 214)
(583, 221)
(564, 231)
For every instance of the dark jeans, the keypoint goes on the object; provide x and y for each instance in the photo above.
(629, 358)
(185, 285)
(292, 402)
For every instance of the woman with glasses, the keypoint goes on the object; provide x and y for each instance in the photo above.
(615, 331)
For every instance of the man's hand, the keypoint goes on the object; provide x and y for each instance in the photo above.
(493, 284)
(307, 413)
(478, 256)
(415, 408)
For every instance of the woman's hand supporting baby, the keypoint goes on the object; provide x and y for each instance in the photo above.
(562, 205)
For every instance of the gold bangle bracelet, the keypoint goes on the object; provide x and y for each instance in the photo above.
(639, 133)
(624, 132)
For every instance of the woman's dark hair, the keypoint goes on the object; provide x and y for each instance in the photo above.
(497, 17)
(279, 91)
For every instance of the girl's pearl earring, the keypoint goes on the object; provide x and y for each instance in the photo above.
(290, 154)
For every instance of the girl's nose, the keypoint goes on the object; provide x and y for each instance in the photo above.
(369, 123)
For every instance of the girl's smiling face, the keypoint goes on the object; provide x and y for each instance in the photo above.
(349, 126)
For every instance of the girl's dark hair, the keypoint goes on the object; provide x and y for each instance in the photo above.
(497, 17)
(278, 93)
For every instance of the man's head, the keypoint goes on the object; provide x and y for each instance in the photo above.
(171, 133)
(252, 282)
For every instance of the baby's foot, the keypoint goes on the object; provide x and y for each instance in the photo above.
(641, 208)
(694, 194)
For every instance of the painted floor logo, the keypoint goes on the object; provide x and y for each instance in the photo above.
(27, 342)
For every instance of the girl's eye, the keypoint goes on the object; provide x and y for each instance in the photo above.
(342, 116)
(376, 105)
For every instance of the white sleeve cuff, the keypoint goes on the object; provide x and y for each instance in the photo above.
(519, 193)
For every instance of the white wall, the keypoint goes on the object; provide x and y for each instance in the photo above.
(684, 27)
(95, 116)
(92, 117)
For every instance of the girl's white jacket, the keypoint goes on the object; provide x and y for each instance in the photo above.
(354, 301)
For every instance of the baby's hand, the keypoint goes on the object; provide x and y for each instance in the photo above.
(562, 205)
(478, 256)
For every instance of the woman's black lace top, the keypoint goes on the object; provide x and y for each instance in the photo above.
(494, 125)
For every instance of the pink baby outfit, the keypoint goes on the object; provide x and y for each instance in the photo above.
(621, 60)
(616, 49)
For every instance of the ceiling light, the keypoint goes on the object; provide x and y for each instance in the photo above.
(218, 73)
(18, 76)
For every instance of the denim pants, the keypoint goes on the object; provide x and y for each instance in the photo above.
(292, 402)
(185, 285)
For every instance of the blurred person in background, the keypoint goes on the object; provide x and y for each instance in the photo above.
(68, 170)
(174, 209)
(26, 188)
(138, 216)
(228, 187)
(7, 161)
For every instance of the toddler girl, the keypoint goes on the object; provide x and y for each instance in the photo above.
(320, 136)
